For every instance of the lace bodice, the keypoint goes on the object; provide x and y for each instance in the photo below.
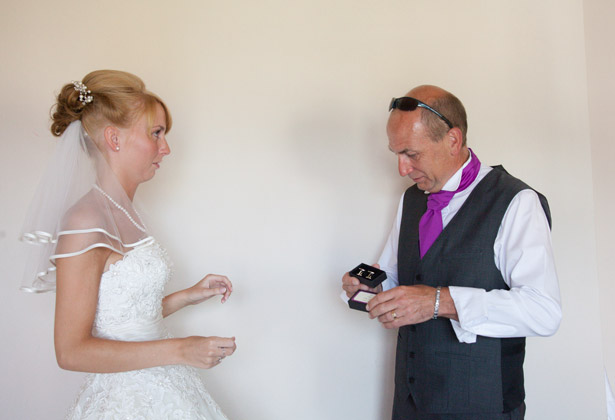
(130, 309)
(131, 292)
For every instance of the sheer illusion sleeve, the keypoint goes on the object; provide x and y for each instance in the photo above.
(79, 205)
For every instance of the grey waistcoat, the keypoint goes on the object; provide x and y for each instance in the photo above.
(441, 374)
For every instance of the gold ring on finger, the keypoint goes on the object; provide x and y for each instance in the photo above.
(394, 315)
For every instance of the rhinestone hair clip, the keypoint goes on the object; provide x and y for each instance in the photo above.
(85, 96)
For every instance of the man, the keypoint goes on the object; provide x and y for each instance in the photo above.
(470, 270)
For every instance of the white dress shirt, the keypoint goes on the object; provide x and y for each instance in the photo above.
(524, 256)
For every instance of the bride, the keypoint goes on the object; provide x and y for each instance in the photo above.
(94, 249)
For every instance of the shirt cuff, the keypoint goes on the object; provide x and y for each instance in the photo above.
(344, 298)
(462, 335)
(471, 310)
(389, 284)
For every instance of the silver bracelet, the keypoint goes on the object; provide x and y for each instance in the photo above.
(436, 306)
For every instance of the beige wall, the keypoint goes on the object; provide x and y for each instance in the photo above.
(280, 177)
(599, 33)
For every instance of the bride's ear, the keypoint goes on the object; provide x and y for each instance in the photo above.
(112, 141)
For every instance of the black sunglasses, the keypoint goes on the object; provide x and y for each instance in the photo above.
(407, 103)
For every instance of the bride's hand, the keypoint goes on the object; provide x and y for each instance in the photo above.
(206, 352)
(210, 285)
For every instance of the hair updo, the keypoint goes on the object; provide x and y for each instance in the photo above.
(119, 98)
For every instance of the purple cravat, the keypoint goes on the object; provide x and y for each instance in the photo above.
(430, 225)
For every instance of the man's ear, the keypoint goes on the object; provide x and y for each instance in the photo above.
(454, 137)
(112, 141)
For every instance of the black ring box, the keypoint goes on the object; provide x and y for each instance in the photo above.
(359, 300)
(368, 275)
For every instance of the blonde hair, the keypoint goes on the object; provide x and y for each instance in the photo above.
(119, 98)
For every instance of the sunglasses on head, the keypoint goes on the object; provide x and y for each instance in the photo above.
(407, 103)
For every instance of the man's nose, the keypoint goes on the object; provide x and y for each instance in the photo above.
(404, 166)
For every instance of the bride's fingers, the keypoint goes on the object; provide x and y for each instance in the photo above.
(221, 354)
(227, 351)
(215, 292)
(225, 288)
(227, 283)
(223, 281)
(226, 345)
(226, 294)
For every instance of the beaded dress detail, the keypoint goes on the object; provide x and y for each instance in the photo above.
(130, 309)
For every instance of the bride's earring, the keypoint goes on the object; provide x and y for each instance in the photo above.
(116, 142)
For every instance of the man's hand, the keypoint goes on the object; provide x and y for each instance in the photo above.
(352, 284)
(407, 305)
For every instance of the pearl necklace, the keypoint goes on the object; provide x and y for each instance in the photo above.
(141, 228)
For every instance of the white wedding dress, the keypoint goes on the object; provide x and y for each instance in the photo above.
(130, 309)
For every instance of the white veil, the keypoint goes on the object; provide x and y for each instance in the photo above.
(79, 205)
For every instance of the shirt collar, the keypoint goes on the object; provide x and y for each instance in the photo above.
(453, 182)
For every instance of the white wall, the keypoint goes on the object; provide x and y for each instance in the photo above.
(280, 177)
(599, 33)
